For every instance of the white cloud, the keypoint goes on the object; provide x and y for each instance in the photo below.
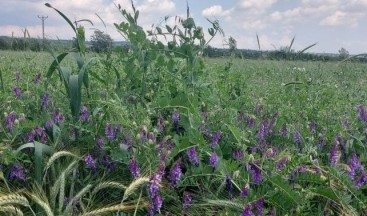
(215, 10)
(256, 6)
(162, 6)
(340, 18)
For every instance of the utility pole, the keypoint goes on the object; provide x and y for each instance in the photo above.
(43, 18)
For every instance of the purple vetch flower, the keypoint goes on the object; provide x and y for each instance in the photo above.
(213, 160)
(346, 124)
(45, 100)
(255, 172)
(100, 142)
(216, 139)
(259, 206)
(362, 113)
(48, 125)
(281, 163)
(134, 168)
(334, 155)
(312, 126)
(84, 114)
(247, 211)
(37, 79)
(17, 92)
(58, 117)
(298, 139)
(362, 180)
(90, 162)
(175, 173)
(9, 120)
(175, 118)
(151, 138)
(193, 157)
(261, 132)
(187, 200)
(244, 191)
(237, 154)
(17, 172)
(38, 134)
(250, 122)
(154, 184)
(108, 163)
(160, 124)
(111, 131)
(229, 185)
(354, 165)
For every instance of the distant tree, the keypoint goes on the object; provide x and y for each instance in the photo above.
(343, 53)
(100, 41)
(232, 43)
(4, 45)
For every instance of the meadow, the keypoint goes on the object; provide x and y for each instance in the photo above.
(162, 130)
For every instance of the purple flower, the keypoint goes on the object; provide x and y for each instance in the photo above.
(111, 132)
(250, 122)
(17, 92)
(58, 117)
(362, 180)
(354, 165)
(10, 119)
(100, 142)
(213, 160)
(346, 124)
(244, 191)
(259, 206)
(261, 132)
(216, 139)
(237, 154)
(39, 134)
(90, 162)
(175, 173)
(229, 185)
(84, 114)
(247, 211)
(281, 163)
(134, 168)
(153, 185)
(108, 163)
(37, 79)
(17, 172)
(312, 127)
(157, 203)
(187, 199)
(362, 113)
(175, 118)
(334, 155)
(45, 100)
(193, 157)
(160, 124)
(256, 172)
(298, 140)
(48, 125)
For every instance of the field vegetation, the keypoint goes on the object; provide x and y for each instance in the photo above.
(163, 130)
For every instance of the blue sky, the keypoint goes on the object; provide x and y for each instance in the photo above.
(330, 23)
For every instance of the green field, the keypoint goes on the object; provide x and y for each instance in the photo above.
(164, 131)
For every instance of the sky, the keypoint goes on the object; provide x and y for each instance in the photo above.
(332, 24)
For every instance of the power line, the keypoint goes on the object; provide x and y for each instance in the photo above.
(43, 18)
